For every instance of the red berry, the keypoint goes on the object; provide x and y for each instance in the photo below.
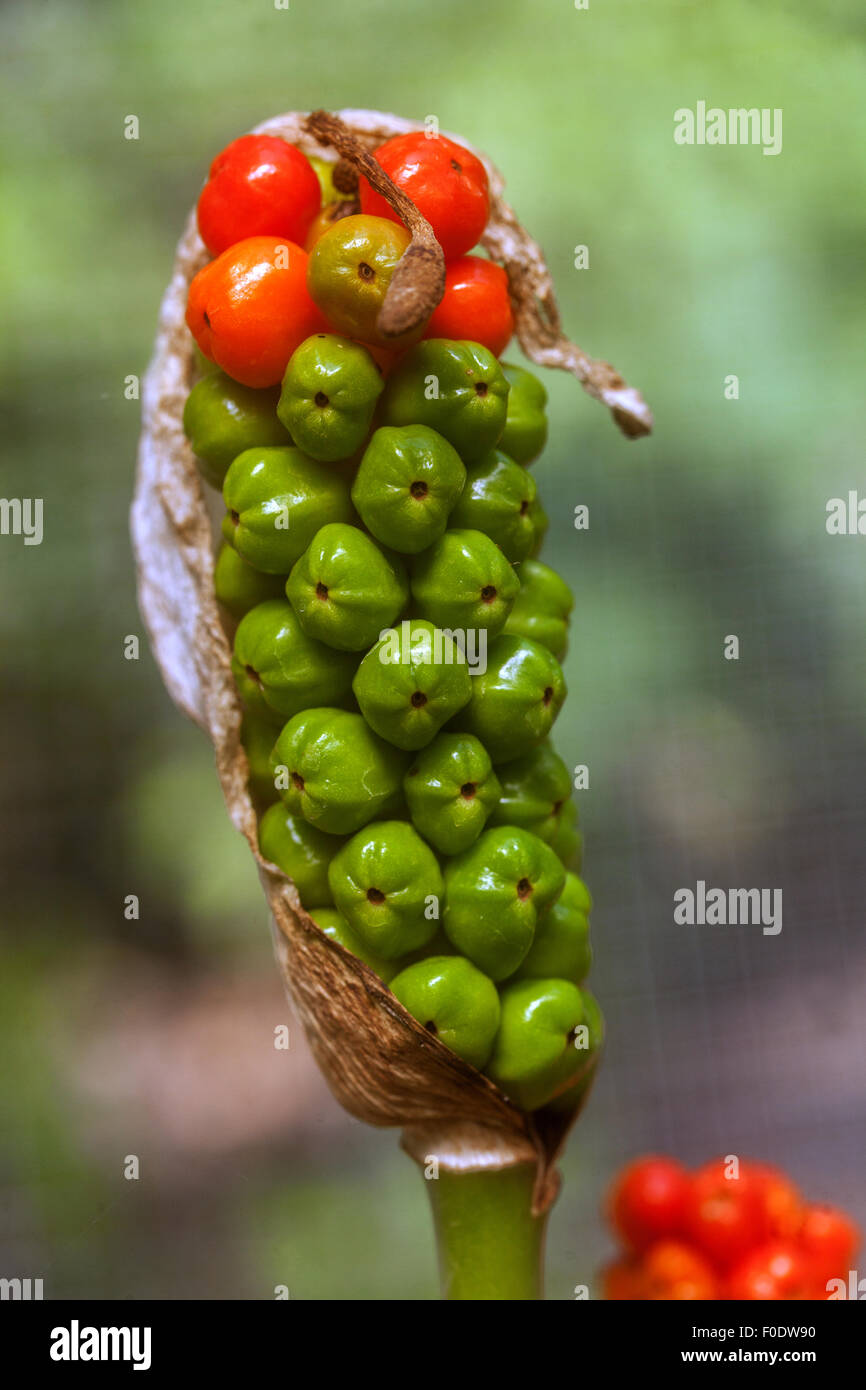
(647, 1201)
(776, 1270)
(476, 305)
(725, 1217)
(446, 182)
(258, 185)
(781, 1199)
(829, 1240)
(623, 1281)
(674, 1272)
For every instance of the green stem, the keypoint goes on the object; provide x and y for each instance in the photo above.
(490, 1245)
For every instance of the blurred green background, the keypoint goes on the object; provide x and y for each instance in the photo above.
(154, 1037)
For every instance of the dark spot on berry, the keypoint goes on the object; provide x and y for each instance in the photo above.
(254, 675)
(467, 791)
(206, 319)
(488, 593)
(548, 694)
(524, 889)
(375, 895)
(557, 807)
(524, 507)
(457, 166)
(321, 591)
(481, 388)
(418, 489)
(235, 516)
(366, 272)
(431, 1027)
(321, 399)
(419, 699)
(297, 781)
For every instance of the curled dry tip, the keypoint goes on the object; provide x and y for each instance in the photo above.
(418, 283)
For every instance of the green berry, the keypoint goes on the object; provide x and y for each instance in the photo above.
(276, 500)
(345, 589)
(495, 893)
(500, 499)
(388, 885)
(561, 948)
(516, 700)
(301, 851)
(457, 388)
(334, 771)
(535, 787)
(541, 608)
(567, 840)
(330, 389)
(335, 926)
(454, 1002)
(464, 582)
(540, 526)
(411, 682)
(258, 736)
(222, 418)
(538, 1052)
(239, 587)
(451, 789)
(407, 483)
(280, 670)
(525, 433)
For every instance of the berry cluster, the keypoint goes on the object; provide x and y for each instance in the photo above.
(737, 1230)
(397, 642)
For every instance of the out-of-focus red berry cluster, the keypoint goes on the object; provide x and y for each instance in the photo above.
(733, 1229)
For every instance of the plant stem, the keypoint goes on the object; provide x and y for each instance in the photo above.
(490, 1245)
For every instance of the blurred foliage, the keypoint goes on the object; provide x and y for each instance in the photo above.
(703, 262)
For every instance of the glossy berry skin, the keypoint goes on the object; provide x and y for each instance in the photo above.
(647, 1202)
(259, 185)
(541, 608)
(388, 885)
(345, 589)
(258, 736)
(453, 1001)
(525, 433)
(534, 1056)
(279, 670)
(450, 790)
(446, 182)
(457, 388)
(276, 500)
(500, 499)
(496, 892)
(249, 309)
(476, 305)
(535, 787)
(239, 587)
(674, 1272)
(350, 270)
(336, 928)
(410, 682)
(334, 771)
(561, 948)
(221, 419)
(829, 1239)
(407, 485)
(301, 851)
(774, 1271)
(515, 702)
(724, 1217)
(464, 581)
(328, 396)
